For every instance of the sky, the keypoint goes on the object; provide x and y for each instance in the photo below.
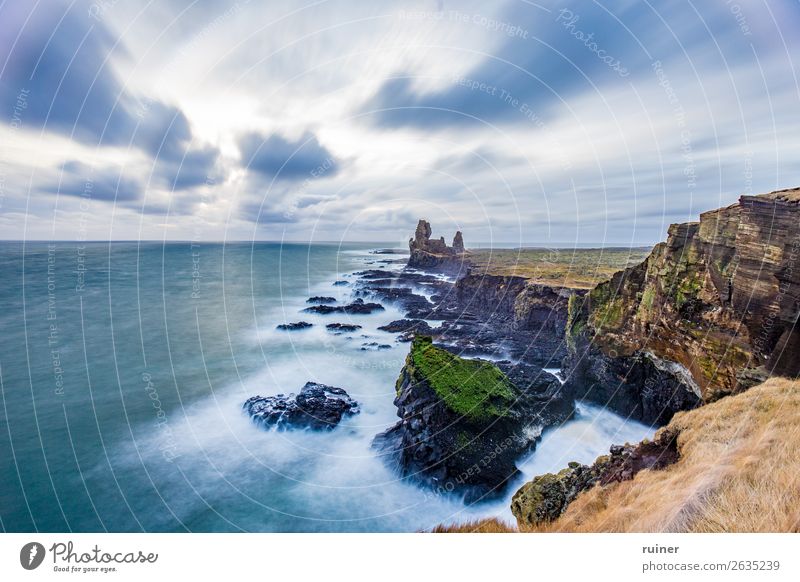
(514, 121)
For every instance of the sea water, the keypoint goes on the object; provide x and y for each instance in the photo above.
(124, 366)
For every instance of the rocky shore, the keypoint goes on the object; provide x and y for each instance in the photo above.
(708, 313)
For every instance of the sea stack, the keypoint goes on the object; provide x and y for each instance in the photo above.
(434, 254)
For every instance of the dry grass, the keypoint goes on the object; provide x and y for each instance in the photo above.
(575, 268)
(479, 526)
(739, 472)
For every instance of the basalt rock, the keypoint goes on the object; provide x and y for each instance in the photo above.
(434, 254)
(417, 326)
(546, 497)
(712, 311)
(317, 407)
(356, 307)
(294, 326)
(342, 327)
(508, 314)
(464, 423)
(321, 299)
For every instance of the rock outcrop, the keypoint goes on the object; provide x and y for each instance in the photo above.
(547, 496)
(434, 254)
(728, 466)
(464, 423)
(509, 314)
(294, 326)
(712, 311)
(357, 307)
(317, 406)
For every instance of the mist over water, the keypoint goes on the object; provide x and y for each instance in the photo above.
(126, 416)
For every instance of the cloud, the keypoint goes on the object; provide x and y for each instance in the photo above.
(62, 59)
(194, 168)
(563, 50)
(282, 159)
(105, 184)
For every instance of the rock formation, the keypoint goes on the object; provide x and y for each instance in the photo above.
(434, 254)
(727, 466)
(316, 407)
(357, 307)
(464, 423)
(710, 312)
(547, 496)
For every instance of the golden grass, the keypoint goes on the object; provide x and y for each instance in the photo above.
(478, 526)
(574, 268)
(739, 471)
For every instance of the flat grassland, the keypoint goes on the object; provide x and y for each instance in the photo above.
(574, 268)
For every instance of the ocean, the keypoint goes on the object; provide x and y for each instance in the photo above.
(124, 366)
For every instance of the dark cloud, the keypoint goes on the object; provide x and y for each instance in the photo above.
(194, 168)
(61, 59)
(279, 158)
(562, 51)
(106, 184)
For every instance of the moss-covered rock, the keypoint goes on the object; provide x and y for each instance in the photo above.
(464, 422)
(474, 389)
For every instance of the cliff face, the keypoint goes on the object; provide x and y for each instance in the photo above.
(710, 312)
(434, 254)
(528, 319)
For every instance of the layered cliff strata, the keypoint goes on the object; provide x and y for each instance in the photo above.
(712, 311)
(464, 423)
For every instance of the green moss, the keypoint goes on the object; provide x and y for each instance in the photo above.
(576, 323)
(606, 309)
(688, 288)
(609, 314)
(473, 389)
(645, 311)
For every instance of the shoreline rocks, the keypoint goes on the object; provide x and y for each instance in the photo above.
(294, 326)
(316, 407)
(321, 299)
(356, 307)
(340, 328)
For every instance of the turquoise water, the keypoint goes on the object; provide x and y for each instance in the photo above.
(124, 367)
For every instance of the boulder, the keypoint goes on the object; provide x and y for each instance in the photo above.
(357, 307)
(342, 327)
(294, 326)
(321, 299)
(317, 407)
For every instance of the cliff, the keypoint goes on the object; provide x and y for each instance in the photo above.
(711, 311)
(434, 254)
